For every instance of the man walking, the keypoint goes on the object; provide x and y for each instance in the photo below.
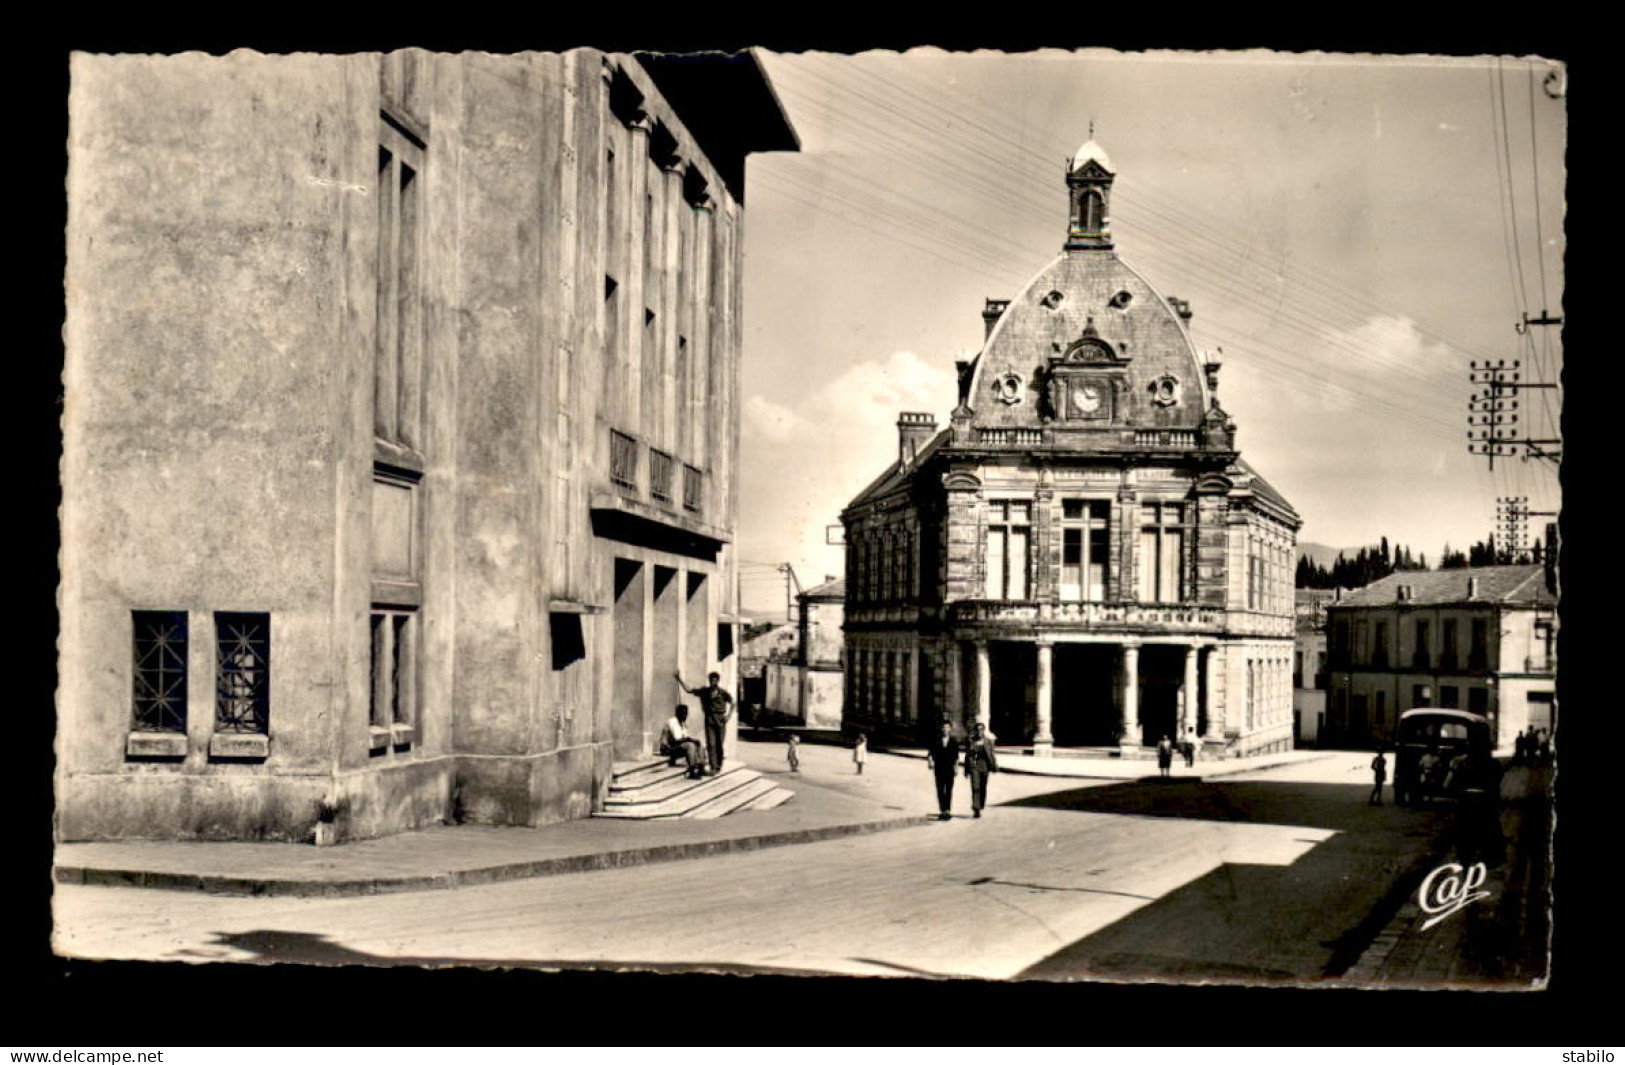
(979, 762)
(1379, 777)
(719, 707)
(943, 758)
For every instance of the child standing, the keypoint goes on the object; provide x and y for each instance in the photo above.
(860, 752)
(793, 752)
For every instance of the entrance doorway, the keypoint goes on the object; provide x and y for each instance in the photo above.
(626, 681)
(1013, 699)
(1084, 710)
(1162, 673)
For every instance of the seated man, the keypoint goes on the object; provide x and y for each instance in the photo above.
(675, 742)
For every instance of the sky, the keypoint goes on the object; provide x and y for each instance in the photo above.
(1351, 233)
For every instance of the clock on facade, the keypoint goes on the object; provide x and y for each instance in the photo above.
(1086, 398)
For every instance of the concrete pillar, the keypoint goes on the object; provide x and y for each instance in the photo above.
(984, 686)
(1042, 740)
(1131, 696)
(1187, 695)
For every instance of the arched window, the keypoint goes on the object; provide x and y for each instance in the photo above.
(1094, 210)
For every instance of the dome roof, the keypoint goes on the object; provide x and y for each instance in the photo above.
(1094, 299)
(1092, 151)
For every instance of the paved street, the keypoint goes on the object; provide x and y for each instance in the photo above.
(1283, 874)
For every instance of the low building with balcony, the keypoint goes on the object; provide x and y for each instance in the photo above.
(1481, 639)
(1081, 558)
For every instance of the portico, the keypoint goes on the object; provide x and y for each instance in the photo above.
(1182, 679)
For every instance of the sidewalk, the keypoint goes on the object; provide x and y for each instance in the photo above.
(450, 856)
(1107, 768)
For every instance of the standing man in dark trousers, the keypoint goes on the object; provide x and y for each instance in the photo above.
(979, 762)
(1379, 777)
(719, 707)
(943, 758)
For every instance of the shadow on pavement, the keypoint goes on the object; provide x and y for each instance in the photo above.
(271, 945)
(1307, 921)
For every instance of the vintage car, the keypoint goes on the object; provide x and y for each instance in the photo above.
(1442, 753)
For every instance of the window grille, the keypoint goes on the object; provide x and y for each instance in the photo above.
(392, 670)
(660, 475)
(623, 459)
(242, 672)
(693, 489)
(160, 646)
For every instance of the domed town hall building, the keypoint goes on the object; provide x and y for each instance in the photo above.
(1081, 558)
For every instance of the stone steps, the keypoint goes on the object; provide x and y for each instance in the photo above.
(652, 790)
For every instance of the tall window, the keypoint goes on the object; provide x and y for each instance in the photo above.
(1379, 652)
(1541, 650)
(1008, 532)
(1424, 639)
(397, 362)
(159, 673)
(1084, 549)
(564, 443)
(242, 673)
(1447, 652)
(1479, 655)
(1162, 543)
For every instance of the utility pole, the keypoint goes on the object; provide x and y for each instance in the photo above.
(1494, 412)
(789, 599)
(1512, 516)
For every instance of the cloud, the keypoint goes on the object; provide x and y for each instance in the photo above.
(802, 461)
(768, 421)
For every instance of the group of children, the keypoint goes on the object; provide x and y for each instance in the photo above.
(860, 752)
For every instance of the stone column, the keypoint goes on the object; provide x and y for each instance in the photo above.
(984, 686)
(1042, 740)
(953, 674)
(1131, 696)
(1187, 699)
(1215, 726)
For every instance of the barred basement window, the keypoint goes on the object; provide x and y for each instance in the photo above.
(242, 673)
(391, 703)
(159, 645)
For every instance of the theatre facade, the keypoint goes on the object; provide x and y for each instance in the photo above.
(1082, 557)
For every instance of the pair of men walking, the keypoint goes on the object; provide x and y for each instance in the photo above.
(944, 757)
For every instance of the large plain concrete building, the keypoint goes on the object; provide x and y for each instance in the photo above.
(1082, 557)
(399, 473)
(1482, 639)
